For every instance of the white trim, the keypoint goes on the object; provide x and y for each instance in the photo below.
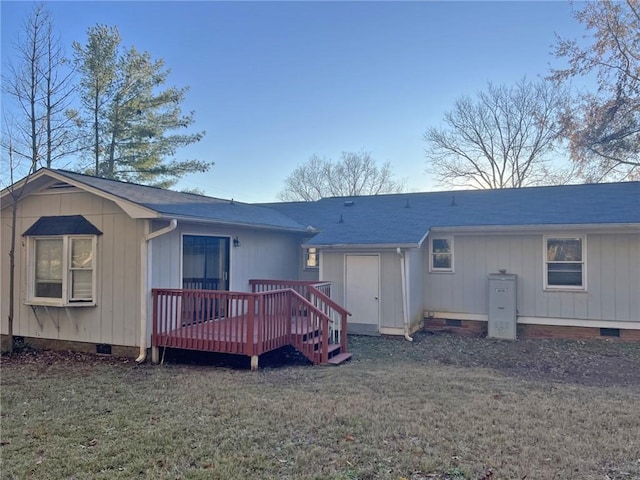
(538, 228)
(545, 275)
(362, 246)
(526, 320)
(476, 317)
(579, 322)
(230, 223)
(433, 269)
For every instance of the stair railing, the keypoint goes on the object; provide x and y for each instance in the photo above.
(335, 312)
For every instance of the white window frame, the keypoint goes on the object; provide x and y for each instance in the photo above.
(306, 255)
(433, 269)
(66, 299)
(583, 262)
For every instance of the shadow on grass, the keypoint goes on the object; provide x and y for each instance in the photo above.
(286, 356)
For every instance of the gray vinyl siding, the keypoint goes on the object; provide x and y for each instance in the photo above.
(416, 279)
(391, 315)
(261, 255)
(115, 318)
(332, 270)
(612, 277)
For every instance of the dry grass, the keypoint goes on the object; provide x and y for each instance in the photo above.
(396, 411)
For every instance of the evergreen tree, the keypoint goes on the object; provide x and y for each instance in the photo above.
(132, 125)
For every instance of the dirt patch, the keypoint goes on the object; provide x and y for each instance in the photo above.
(590, 362)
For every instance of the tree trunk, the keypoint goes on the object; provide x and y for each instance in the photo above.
(12, 272)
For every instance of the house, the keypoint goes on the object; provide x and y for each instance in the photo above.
(105, 265)
(108, 266)
(394, 260)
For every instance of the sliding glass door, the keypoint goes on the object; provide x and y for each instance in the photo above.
(205, 262)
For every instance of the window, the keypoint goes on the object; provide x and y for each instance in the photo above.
(62, 270)
(311, 258)
(441, 254)
(564, 263)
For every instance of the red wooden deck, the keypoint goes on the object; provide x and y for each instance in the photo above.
(302, 315)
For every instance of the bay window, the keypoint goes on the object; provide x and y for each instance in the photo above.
(62, 270)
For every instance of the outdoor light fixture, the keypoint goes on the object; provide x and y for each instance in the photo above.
(236, 241)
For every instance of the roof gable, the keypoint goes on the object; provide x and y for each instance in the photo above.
(141, 201)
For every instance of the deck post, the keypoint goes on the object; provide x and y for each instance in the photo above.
(251, 325)
(343, 332)
(155, 355)
(254, 363)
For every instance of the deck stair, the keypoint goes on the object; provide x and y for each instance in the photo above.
(313, 340)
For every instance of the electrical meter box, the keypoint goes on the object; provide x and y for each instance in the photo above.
(502, 306)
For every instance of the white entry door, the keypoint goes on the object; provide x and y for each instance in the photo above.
(362, 292)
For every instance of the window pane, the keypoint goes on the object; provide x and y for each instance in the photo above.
(564, 250)
(441, 245)
(81, 253)
(81, 284)
(312, 258)
(48, 281)
(567, 274)
(441, 260)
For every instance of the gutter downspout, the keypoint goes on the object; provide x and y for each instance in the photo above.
(144, 243)
(405, 312)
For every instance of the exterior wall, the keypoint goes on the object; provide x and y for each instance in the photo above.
(261, 254)
(612, 273)
(115, 318)
(332, 269)
(416, 259)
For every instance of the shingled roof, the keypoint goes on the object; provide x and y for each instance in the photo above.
(189, 206)
(391, 220)
(405, 219)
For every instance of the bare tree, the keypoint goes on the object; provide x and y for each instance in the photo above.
(603, 127)
(38, 81)
(353, 175)
(502, 138)
(10, 165)
(36, 133)
(57, 76)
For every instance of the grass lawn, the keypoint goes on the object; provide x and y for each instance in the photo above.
(442, 407)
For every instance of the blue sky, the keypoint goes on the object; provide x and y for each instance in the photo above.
(273, 83)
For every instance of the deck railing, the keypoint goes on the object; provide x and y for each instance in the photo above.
(219, 321)
(319, 294)
(248, 323)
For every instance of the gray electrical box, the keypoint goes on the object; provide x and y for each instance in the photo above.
(502, 305)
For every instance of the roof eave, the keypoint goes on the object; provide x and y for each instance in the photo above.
(492, 229)
(230, 223)
(362, 246)
(133, 209)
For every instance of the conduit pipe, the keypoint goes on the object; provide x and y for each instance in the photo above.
(144, 297)
(405, 311)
